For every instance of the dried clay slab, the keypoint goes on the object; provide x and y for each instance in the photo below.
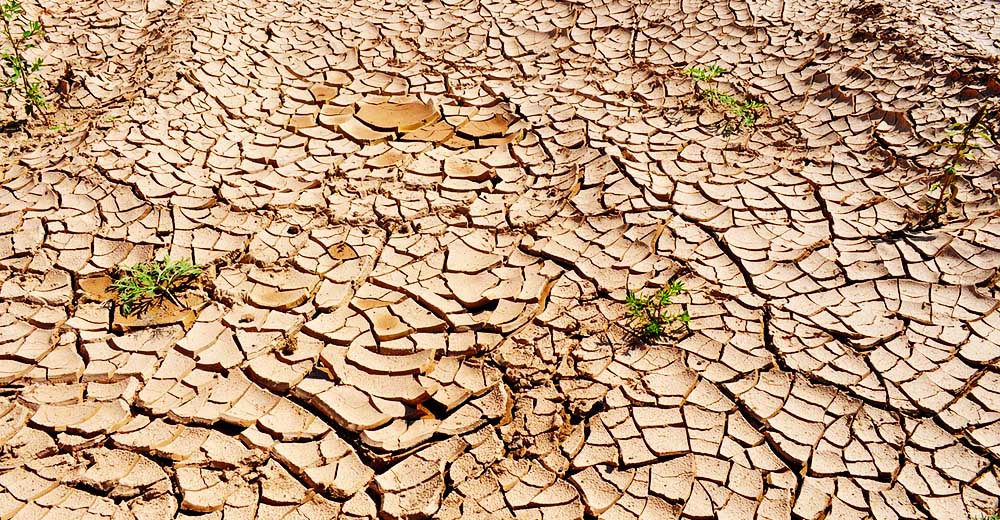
(403, 114)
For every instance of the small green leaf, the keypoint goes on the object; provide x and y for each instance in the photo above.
(653, 330)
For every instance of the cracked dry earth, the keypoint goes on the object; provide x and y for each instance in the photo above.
(420, 220)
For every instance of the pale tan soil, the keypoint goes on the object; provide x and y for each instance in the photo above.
(421, 219)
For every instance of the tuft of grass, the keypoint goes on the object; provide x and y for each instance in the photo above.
(21, 34)
(142, 285)
(650, 317)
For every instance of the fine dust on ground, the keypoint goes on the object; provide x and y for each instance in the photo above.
(419, 220)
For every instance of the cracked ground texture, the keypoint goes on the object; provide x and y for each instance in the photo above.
(419, 221)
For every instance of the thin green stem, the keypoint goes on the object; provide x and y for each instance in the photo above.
(22, 69)
(962, 152)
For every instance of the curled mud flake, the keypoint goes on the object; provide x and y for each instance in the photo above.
(397, 114)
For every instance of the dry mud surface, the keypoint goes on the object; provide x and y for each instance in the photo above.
(421, 219)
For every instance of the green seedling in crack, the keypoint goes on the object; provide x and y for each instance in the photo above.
(141, 285)
(651, 317)
(17, 79)
(698, 74)
(745, 111)
(965, 140)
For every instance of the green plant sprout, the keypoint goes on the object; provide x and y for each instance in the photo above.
(705, 74)
(20, 35)
(746, 112)
(650, 317)
(141, 285)
(965, 139)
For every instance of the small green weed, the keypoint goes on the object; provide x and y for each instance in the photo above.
(650, 317)
(141, 285)
(61, 128)
(21, 34)
(745, 112)
(705, 74)
(965, 139)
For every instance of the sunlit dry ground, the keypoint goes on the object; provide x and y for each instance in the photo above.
(420, 220)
